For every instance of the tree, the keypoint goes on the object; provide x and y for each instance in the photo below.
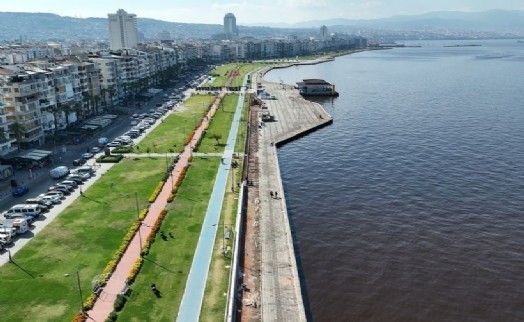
(67, 108)
(17, 130)
(55, 110)
(217, 137)
(111, 91)
(79, 110)
(3, 135)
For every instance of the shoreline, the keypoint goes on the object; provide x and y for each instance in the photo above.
(275, 279)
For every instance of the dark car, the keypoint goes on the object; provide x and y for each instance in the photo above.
(19, 191)
(45, 204)
(65, 190)
(78, 162)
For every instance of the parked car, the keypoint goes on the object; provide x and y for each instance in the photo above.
(19, 191)
(76, 178)
(95, 149)
(59, 172)
(76, 174)
(103, 140)
(87, 155)
(54, 198)
(45, 204)
(56, 193)
(64, 190)
(78, 162)
(69, 183)
(114, 144)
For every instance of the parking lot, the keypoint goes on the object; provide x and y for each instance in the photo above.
(36, 185)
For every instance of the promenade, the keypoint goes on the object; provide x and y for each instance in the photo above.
(272, 284)
(117, 282)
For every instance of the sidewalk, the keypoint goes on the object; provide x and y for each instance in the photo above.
(196, 283)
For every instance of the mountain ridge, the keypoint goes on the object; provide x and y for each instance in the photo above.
(46, 26)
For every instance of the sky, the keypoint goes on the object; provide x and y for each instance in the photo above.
(248, 12)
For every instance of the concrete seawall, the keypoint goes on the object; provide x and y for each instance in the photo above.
(278, 282)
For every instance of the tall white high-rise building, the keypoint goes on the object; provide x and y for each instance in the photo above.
(123, 31)
(230, 24)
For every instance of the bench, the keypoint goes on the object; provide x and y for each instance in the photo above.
(125, 291)
(97, 290)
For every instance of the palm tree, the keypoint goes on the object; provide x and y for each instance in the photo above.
(78, 108)
(55, 110)
(17, 130)
(111, 90)
(67, 108)
(3, 135)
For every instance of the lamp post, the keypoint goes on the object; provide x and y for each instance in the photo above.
(139, 223)
(223, 237)
(224, 226)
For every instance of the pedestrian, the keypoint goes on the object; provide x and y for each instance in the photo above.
(271, 194)
(153, 288)
(276, 195)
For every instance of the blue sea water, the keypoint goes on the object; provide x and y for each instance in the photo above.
(410, 207)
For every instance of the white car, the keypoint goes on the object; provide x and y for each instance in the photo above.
(95, 149)
(114, 144)
(55, 199)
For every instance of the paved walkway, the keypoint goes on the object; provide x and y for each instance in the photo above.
(196, 283)
(280, 289)
(116, 283)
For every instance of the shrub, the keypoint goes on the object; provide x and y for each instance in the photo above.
(170, 198)
(113, 158)
(156, 192)
(119, 302)
(113, 316)
(136, 268)
(143, 214)
(90, 301)
(123, 149)
(79, 317)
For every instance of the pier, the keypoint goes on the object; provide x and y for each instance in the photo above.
(270, 268)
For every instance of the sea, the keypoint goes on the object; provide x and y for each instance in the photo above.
(410, 206)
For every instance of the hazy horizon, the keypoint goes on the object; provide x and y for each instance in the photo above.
(257, 12)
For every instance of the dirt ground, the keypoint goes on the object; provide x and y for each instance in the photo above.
(250, 300)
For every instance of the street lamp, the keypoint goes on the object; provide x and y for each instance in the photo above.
(224, 225)
(139, 223)
(138, 218)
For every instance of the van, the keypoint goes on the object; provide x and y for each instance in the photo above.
(25, 209)
(59, 172)
(18, 226)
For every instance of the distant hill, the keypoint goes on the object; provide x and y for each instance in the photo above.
(37, 26)
(47, 26)
(498, 21)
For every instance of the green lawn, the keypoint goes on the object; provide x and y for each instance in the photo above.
(223, 74)
(220, 126)
(243, 70)
(169, 135)
(42, 286)
(169, 261)
(215, 296)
